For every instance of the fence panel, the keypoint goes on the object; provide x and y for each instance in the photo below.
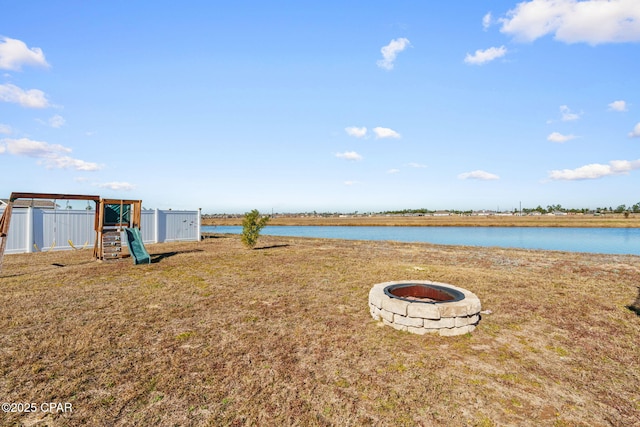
(180, 226)
(148, 227)
(63, 229)
(16, 238)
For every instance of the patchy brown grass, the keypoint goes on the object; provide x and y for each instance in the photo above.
(215, 334)
(610, 220)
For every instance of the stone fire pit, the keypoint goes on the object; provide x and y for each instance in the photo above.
(422, 306)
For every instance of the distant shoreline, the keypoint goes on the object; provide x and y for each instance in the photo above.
(604, 221)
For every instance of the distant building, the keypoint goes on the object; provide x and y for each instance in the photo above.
(483, 212)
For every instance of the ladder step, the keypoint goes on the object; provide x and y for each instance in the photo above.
(111, 245)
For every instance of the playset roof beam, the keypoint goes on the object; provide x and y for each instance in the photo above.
(15, 196)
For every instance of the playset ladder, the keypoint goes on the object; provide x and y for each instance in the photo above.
(111, 245)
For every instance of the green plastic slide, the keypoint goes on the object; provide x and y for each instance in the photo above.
(136, 247)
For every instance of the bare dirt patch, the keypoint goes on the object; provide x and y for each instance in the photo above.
(215, 334)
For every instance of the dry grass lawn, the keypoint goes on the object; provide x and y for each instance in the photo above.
(213, 334)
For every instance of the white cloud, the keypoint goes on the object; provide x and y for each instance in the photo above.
(49, 155)
(486, 21)
(390, 51)
(351, 183)
(356, 131)
(66, 162)
(416, 165)
(57, 121)
(560, 138)
(624, 166)
(618, 106)
(571, 21)
(595, 170)
(392, 171)
(32, 98)
(380, 132)
(478, 174)
(117, 186)
(30, 148)
(483, 56)
(385, 133)
(349, 155)
(15, 53)
(567, 114)
(635, 133)
(5, 129)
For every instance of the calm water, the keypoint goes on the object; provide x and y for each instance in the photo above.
(595, 240)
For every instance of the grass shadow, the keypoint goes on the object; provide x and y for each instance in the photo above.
(635, 306)
(635, 309)
(158, 257)
(55, 265)
(205, 236)
(284, 245)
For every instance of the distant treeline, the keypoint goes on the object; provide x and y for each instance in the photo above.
(549, 209)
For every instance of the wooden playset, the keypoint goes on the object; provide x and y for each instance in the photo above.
(113, 218)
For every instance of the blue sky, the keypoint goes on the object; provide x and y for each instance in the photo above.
(327, 106)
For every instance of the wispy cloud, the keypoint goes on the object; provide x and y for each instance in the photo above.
(52, 156)
(350, 183)
(618, 106)
(32, 98)
(635, 133)
(117, 186)
(356, 131)
(567, 114)
(483, 56)
(595, 170)
(15, 53)
(5, 129)
(349, 155)
(385, 133)
(392, 171)
(560, 138)
(57, 121)
(416, 165)
(479, 175)
(486, 21)
(571, 21)
(390, 51)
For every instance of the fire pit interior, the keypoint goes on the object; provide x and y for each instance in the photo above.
(425, 307)
(423, 292)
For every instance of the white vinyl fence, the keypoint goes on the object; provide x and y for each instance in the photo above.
(34, 230)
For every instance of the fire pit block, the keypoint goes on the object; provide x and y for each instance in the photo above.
(423, 306)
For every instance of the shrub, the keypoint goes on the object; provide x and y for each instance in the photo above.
(251, 226)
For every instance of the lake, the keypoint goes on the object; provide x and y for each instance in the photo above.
(594, 240)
